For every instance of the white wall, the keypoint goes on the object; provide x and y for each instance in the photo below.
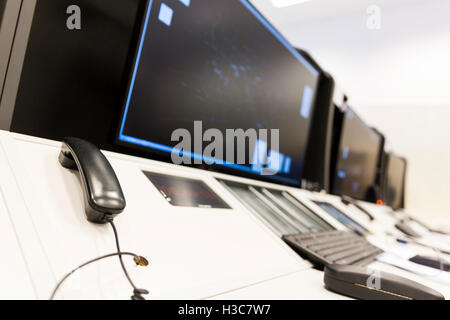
(398, 79)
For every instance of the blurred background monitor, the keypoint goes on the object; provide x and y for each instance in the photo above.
(356, 159)
(395, 181)
(317, 164)
(379, 176)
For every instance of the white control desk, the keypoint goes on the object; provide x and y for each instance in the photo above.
(194, 253)
(15, 276)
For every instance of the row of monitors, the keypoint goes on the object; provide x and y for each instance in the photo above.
(361, 167)
(137, 72)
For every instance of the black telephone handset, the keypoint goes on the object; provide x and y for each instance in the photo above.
(103, 195)
(103, 198)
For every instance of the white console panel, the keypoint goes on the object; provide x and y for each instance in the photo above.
(15, 275)
(308, 285)
(193, 252)
(383, 215)
(387, 218)
(303, 285)
(382, 232)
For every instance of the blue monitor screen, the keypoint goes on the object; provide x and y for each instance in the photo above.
(210, 67)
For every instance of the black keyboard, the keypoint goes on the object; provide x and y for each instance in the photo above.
(333, 247)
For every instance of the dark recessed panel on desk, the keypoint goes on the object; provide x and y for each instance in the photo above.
(342, 217)
(185, 192)
(278, 209)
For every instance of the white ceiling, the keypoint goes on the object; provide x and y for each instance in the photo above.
(322, 9)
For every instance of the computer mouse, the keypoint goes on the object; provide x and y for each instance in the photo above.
(365, 284)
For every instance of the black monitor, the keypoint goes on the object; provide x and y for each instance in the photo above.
(379, 176)
(318, 156)
(394, 181)
(357, 159)
(219, 62)
(64, 82)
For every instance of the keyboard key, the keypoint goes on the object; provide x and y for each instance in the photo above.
(355, 258)
(346, 253)
(338, 249)
(334, 244)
